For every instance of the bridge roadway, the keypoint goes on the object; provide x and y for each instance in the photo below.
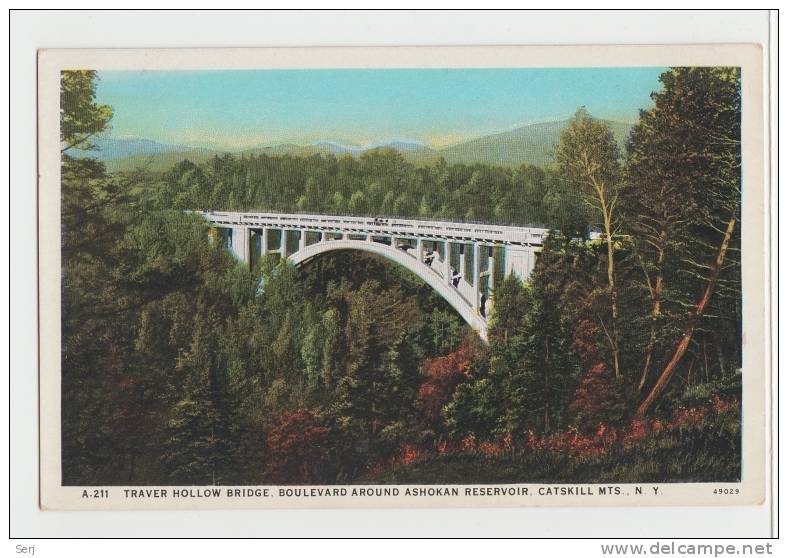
(461, 261)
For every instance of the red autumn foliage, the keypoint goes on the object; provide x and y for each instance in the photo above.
(297, 448)
(687, 418)
(408, 454)
(405, 455)
(638, 430)
(571, 441)
(596, 399)
(443, 376)
(469, 443)
(721, 405)
(585, 341)
(491, 449)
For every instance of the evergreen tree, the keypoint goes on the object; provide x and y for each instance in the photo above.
(692, 137)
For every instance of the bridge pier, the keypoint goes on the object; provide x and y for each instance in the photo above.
(520, 261)
(491, 270)
(447, 261)
(477, 280)
(239, 242)
(264, 243)
(461, 266)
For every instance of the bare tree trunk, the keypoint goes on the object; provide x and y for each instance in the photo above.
(611, 280)
(705, 362)
(649, 352)
(692, 322)
(607, 201)
(656, 303)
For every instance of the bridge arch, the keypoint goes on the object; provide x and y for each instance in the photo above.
(457, 260)
(466, 310)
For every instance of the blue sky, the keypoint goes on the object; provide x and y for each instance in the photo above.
(240, 109)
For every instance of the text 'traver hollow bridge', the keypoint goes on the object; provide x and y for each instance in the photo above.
(461, 261)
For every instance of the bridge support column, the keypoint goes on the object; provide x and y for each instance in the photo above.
(491, 270)
(461, 263)
(477, 280)
(447, 261)
(283, 243)
(302, 239)
(240, 243)
(531, 261)
(420, 249)
(520, 261)
(263, 243)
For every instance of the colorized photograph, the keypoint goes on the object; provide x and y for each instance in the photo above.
(421, 276)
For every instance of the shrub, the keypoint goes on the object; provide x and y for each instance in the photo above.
(597, 399)
(443, 376)
(297, 449)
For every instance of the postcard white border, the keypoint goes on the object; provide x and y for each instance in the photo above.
(755, 234)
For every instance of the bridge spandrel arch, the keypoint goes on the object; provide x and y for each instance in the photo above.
(468, 313)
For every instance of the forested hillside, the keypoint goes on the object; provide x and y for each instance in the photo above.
(619, 360)
(380, 182)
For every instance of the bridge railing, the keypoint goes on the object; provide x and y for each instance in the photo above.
(414, 228)
(462, 221)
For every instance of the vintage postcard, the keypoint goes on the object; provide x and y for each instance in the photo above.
(403, 277)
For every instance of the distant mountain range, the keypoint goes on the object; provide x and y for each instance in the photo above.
(340, 149)
(532, 144)
(111, 149)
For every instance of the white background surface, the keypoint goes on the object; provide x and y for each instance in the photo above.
(32, 30)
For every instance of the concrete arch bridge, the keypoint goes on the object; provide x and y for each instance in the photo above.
(460, 261)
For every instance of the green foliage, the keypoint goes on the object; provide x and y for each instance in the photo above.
(588, 155)
(181, 365)
(80, 117)
(728, 386)
(474, 410)
(683, 185)
(380, 182)
(524, 381)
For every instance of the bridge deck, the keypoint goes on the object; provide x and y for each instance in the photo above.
(403, 228)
